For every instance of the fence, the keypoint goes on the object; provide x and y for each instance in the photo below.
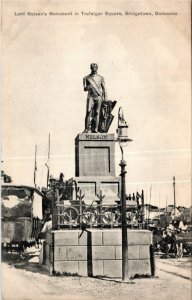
(80, 215)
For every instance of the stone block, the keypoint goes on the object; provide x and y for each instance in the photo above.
(141, 267)
(82, 238)
(103, 252)
(111, 237)
(83, 268)
(71, 267)
(112, 268)
(144, 252)
(97, 267)
(146, 238)
(135, 237)
(91, 237)
(95, 237)
(133, 252)
(76, 253)
(60, 253)
(139, 237)
(66, 237)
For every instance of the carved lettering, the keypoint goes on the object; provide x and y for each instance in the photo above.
(96, 137)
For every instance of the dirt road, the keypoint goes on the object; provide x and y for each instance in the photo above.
(30, 282)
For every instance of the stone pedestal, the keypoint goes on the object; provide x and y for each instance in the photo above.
(95, 154)
(95, 167)
(97, 252)
(91, 187)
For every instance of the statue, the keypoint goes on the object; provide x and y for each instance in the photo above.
(98, 115)
(106, 117)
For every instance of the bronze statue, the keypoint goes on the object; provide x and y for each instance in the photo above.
(106, 117)
(98, 115)
(95, 85)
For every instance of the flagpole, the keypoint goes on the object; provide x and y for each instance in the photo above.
(48, 162)
(159, 202)
(35, 166)
(174, 196)
(166, 212)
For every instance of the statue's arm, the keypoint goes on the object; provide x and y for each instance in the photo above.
(85, 84)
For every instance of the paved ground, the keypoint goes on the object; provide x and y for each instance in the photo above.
(178, 267)
(28, 281)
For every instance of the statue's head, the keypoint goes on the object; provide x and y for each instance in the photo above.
(94, 67)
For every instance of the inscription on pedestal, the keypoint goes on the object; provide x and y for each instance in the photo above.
(96, 137)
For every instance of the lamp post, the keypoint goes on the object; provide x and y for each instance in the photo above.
(123, 139)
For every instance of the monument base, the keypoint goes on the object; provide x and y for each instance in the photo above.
(92, 186)
(97, 252)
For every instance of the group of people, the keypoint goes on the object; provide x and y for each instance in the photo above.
(171, 240)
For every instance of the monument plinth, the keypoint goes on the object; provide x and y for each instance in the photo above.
(95, 166)
(95, 154)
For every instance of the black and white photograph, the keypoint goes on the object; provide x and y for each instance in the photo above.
(96, 150)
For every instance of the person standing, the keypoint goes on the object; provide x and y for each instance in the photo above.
(47, 227)
(183, 227)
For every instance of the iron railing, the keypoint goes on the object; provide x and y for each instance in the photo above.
(78, 214)
(94, 215)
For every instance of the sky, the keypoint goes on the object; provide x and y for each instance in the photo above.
(145, 61)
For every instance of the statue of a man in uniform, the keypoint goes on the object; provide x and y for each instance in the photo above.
(95, 86)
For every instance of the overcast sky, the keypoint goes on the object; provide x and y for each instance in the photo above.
(145, 61)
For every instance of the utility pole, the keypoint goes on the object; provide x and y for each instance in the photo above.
(174, 196)
(166, 213)
(146, 210)
(48, 161)
(159, 202)
(150, 201)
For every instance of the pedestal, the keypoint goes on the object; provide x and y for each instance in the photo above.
(95, 154)
(91, 187)
(97, 252)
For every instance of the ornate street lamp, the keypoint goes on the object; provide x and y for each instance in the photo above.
(122, 138)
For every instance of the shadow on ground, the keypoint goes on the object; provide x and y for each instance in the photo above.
(14, 259)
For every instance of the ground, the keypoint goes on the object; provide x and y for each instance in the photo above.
(27, 280)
